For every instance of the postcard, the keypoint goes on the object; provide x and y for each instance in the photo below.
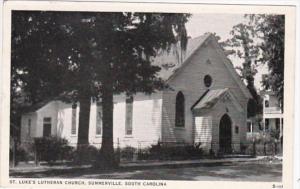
(147, 95)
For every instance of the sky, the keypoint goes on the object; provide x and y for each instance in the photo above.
(221, 24)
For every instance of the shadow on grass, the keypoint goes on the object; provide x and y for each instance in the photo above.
(81, 171)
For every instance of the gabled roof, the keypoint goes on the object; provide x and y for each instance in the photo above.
(210, 98)
(64, 97)
(232, 70)
(172, 62)
(37, 106)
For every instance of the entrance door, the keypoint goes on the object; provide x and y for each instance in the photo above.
(225, 134)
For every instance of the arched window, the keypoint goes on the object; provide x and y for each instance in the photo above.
(179, 116)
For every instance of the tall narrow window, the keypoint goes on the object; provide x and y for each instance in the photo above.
(73, 129)
(99, 120)
(29, 127)
(47, 127)
(129, 112)
(237, 130)
(179, 116)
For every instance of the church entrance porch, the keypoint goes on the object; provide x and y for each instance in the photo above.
(219, 122)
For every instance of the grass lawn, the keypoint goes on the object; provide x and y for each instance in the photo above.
(235, 171)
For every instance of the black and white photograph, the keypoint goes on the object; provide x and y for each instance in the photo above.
(135, 95)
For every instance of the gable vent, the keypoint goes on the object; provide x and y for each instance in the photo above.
(208, 61)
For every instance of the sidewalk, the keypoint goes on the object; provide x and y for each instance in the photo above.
(27, 168)
(199, 162)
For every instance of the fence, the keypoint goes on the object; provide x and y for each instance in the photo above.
(176, 151)
(259, 149)
(145, 150)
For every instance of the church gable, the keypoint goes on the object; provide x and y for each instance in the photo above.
(231, 68)
(208, 68)
(203, 62)
(175, 59)
(204, 70)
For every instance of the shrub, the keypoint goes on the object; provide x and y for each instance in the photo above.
(67, 152)
(51, 148)
(128, 152)
(243, 148)
(144, 154)
(21, 154)
(86, 155)
(194, 151)
(172, 152)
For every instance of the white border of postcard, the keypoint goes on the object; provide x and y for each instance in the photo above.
(290, 46)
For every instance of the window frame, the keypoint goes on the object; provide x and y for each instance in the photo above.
(99, 118)
(48, 123)
(129, 116)
(29, 123)
(210, 80)
(74, 120)
(180, 110)
(236, 129)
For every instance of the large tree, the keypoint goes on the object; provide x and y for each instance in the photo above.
(126, 42)
(92, 55)
(50, 59)
(112, 55)
(36, 74)
(270, 29)
(243, 45)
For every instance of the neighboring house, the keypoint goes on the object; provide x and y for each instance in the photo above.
(272, 114)
(206, 103)
(254, 127)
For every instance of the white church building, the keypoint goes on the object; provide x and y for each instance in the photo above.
(206, 103)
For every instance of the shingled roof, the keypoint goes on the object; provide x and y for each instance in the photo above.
(172, 60)
(210, 98)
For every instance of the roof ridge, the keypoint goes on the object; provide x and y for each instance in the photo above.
(204, 37)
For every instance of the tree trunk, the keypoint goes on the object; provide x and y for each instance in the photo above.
(106, 158)
(83, 130)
